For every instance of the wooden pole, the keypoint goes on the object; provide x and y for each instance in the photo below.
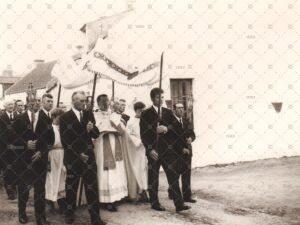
(160, 83)
(94, 89)
(58, 96)
(113, 90)
(159, 101)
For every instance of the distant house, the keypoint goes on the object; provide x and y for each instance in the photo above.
(6, 83)
(37, 79)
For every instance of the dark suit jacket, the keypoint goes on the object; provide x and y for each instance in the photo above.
(76, 140)
(43, 134)
(125, 117)
(16, 114)
(148, 125)
(181, 133)
(6, 135)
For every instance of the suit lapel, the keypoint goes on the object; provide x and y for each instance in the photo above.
(26, 117)
(74, 117)
(41, 119)
(6, 118)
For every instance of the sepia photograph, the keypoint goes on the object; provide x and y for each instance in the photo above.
(147, 112)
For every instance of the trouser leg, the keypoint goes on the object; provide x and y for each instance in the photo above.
(72, 182)
(171, 169)
(23, 195)
(186, 178)
(90, 182)
(39, 196)
(153, 180)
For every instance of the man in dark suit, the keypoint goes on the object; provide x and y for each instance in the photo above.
(34, 138)
(157, 137)
(184, 136)
(77, 128)
(19, 107)
(7, 154)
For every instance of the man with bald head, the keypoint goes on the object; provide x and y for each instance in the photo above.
(7, 155)
(77, 128)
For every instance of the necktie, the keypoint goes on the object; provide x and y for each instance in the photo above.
(11, 117)
(181, 121)
(159, 114)
(81, 117)
(32, 120)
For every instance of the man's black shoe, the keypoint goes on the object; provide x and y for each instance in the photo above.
(101, 222)
(182, 208)
(42, 222)
(69, 219)
(111, 207)
(190, 200)
(23, 219)
(158, 208)
(12, 196)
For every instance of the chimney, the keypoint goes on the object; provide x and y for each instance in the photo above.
(38, 61)
(8, 72)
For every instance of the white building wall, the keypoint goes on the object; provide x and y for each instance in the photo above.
(17, 96)
(242, 56)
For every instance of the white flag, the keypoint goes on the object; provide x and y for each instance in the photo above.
(100, 28)
(128, 69)
(70, 74)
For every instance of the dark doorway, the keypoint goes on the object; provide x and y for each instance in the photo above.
(182, 92)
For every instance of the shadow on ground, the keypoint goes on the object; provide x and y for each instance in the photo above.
(263, 192)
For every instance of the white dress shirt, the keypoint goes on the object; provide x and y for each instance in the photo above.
(35, 120)
(10, 114)
(77, 113)
(179, 119)
(156, 108)
(46, 112)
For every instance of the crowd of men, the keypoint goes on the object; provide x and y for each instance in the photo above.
(113, 156)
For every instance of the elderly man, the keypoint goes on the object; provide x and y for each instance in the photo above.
(7, 154)
(77, 128)
(33, 140)
(184, 136)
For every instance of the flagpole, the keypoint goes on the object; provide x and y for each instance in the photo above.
(113, 90)
(160, 83)
(58, 96)
(159, 101)
(94, 88)
(92, 103)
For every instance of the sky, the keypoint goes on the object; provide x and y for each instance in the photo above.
(39, 29)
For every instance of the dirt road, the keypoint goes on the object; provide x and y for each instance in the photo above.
(264, 192)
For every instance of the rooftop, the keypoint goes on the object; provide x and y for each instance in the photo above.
(38, 77)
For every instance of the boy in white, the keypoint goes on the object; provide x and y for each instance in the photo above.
(135, 158)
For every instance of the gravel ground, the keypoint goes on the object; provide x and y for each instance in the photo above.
(263, 192)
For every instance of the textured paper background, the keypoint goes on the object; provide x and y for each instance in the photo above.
(242, 55)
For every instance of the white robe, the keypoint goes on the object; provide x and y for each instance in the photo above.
(112, 183)
(55, 180)
(135, 159)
